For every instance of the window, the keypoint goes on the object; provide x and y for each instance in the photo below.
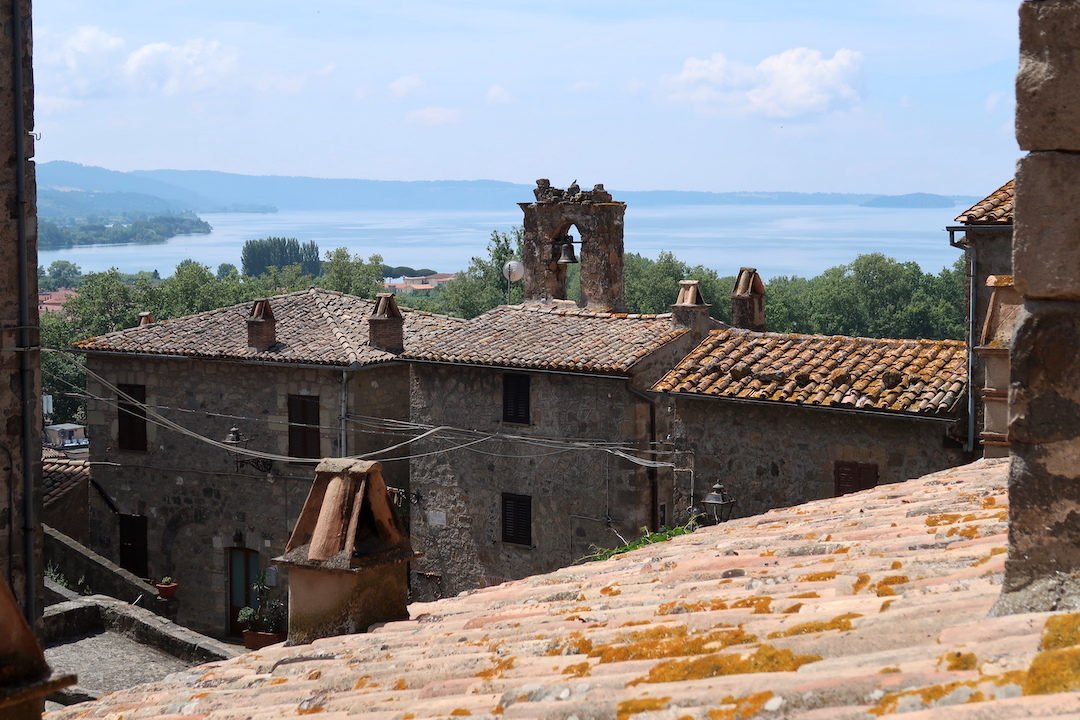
(243, 572)
(517, 519)
(304, 426)
(131, 430)
(852, 477)
(516, 398)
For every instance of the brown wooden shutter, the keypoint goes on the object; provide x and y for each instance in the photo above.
(516, 398)
(304, 426)
(517, 519)
(131, 428)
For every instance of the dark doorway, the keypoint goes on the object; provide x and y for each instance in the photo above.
(243, 571)
(133, 544)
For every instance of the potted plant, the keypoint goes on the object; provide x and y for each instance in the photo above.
(265, 624)
(166, 588)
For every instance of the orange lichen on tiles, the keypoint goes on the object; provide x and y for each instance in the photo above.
(1061, 631)
(860, 582)
(581, 669)
(683, 645)
(760, 604)
(805, 595)
(363, 682)
(886, 605)
(959, 660)
(400, 685)
(678, 607)
(942, 519)
(573, 644)
(819, 576)
(610, 591)
(888, 670)
(793, 609)
(460, 712)
(988, 502)
(744, 707)
(1053, 671)
(636, 706)
(897, 565)
(841, 550)
(841, 622)
(278, 681)
(494, 672)
(765, 659)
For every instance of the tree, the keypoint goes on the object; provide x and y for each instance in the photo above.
(104, 304)
(224, 270)
(258, 256)
(482, 286)
(62, 274)
(348, 273)
(61, 374)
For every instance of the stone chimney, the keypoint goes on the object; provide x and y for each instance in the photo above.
(386, 326)
(1042, 572)
(550, 222)
(347, 556)
(748, 301)
(146, 318)
(261, 332)
(690, 310)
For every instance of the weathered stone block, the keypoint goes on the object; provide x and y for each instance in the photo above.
(1044, 403)
(1048, 82)
(1046, 254)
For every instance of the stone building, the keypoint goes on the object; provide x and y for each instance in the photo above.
(781, 419)
(293, 379)
(538, 412)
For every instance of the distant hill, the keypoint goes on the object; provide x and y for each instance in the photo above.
(912, 200)
(212, 191)
(80, 206)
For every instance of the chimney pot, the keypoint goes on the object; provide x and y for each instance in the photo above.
(146, 318)
(748, 301)
(386, 326)
(261, 327)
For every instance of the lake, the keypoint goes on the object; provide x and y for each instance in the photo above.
(776, 239)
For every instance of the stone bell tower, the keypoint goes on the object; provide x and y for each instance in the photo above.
(548, 225)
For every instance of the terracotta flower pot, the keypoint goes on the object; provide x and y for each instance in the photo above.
(256, 639)
(166, 591)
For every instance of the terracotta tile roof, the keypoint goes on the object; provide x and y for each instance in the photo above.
(58, 475)
(925, 377)
(850, 607)
(314, 326)
(550, 338)
(997, 209)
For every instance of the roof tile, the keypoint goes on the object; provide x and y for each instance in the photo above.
(58, 475)
(549, 338)
(924, 377)
(314, 326)
(995, 209)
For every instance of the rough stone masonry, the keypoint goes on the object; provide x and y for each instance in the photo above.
(1043, 568)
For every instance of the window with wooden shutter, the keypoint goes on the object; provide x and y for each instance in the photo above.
(517, 519)
(852, 477)
(304, 426)
(131, 428)
(516, 398)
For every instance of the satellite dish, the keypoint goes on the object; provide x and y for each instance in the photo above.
(513, 271)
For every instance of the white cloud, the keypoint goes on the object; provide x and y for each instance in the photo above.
(405, 85)
(282, 84)
(327, 69)
(498, 95)
(193, 67)
(433, 116)
(794, 82)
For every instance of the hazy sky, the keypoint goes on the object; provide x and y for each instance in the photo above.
(831, 95)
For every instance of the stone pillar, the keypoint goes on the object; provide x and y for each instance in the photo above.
(1043, 568)
(20, 378)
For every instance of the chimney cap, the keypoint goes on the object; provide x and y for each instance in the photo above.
(145, 318)
(690, 294)
(261, 310)
(386, 306)
(748, 283)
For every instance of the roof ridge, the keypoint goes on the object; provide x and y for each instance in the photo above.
(819, 336)
(351, 348)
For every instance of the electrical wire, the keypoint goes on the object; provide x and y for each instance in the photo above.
(448, 432)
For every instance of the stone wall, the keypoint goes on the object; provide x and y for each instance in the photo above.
(457, 518)
(1043, 568)
(198, 504)
(18, 367)
(771, 457)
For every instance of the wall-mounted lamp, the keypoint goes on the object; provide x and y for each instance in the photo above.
(720, 503)
(235, 439)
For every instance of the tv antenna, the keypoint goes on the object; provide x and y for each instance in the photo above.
(512, 271)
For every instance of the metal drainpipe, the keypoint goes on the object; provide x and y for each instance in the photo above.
(342, 435)
(969, 444)
(26, 369)
(651, 473)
